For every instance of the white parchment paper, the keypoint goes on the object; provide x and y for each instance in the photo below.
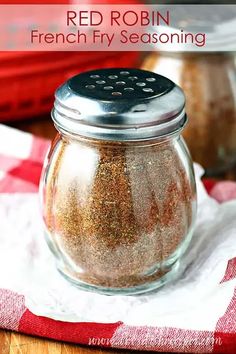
(193, 301)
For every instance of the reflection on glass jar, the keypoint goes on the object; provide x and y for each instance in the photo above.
(119, 204)
(209, 83)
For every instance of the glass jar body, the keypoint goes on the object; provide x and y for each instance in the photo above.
(118, 215)
(208, 81)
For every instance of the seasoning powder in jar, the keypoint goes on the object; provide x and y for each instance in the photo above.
(118, 189)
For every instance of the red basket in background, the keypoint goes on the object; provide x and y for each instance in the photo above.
(32, 77)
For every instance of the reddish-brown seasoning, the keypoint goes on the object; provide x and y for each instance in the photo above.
(117, 211)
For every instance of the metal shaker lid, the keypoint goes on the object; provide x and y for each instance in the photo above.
(119, 104)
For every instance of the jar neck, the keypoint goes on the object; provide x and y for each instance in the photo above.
(72, 137)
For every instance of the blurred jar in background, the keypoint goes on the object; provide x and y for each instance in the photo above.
(209, 83)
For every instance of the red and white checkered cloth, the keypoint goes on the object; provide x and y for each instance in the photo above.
(21, 159)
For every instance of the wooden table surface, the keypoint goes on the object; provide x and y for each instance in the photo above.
(14, 343)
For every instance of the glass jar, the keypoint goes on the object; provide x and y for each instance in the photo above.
(118, 188)
(209, 81)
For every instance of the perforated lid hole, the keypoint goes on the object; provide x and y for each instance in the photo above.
(95, 76)
(120, 83)
(150, 79)
(90, 87)
(113, 77)
(141, 84)
(107, 88)
(148, 89)
(100, 82)
(116, 94)
(129, 89)
(124, 73)
(132, 78)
